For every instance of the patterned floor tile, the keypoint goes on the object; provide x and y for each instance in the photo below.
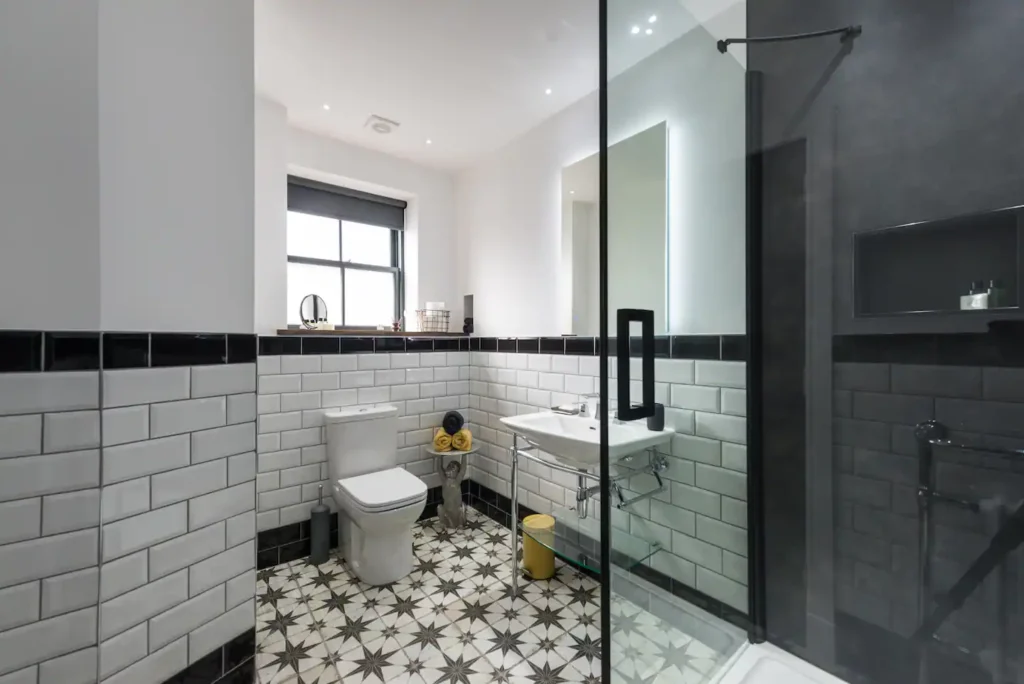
(456, 620)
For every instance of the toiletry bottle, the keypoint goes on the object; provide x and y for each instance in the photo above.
(979, 295)
(996, 295)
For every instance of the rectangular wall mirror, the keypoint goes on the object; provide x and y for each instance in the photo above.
(637, 231)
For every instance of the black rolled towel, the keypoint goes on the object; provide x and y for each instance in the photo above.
(452, 422)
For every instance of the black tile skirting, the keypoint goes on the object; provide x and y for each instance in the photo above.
(704, 347)
(499, 509)
(1002, 346)
(27, 351)
(292, 542)
(232, 663)
(278, 345)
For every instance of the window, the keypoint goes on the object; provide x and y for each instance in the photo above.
(348, 247)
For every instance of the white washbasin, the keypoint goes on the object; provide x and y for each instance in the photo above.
(576, 441)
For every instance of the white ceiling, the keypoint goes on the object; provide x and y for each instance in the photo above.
(469, 75)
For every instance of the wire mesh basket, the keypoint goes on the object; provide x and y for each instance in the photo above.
(433, 320)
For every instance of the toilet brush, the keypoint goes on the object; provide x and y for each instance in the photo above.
(320, 530)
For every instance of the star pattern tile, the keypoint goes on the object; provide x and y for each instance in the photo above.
(455, 620)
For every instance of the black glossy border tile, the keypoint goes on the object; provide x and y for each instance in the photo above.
(581, 346)
(419, 344)
(186, 349)
(507, 344)
(1002, 347)
(488, 344)
(390, 344)
(703, 347)
(279, 346)
(662, 346)
(474, 343)
(71, 351)
(357, 345)
(125, 350)
(464, 344)
(242, 348)
(528, 345)
(734, 348)
(447, 343)
(243, 674)
(321, 345)
(553, 345)
(21, 351)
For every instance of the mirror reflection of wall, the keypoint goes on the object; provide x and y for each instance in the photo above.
(637, 231)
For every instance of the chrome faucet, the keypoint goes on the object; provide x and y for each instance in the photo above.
(584, 409)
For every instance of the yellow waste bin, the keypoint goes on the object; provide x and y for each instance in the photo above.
(538, 559)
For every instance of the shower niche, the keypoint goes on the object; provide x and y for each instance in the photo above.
(925, 268)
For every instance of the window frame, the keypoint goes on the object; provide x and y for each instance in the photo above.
(397, 267)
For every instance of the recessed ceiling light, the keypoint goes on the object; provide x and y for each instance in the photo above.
(635, 30)
(572, 192)
(548, 91)
(649, 31)
(327, 107)
(653, 18)
(429, 141)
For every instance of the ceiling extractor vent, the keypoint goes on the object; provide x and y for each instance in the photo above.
(379, 124)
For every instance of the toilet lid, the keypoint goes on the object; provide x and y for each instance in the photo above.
(385, 489)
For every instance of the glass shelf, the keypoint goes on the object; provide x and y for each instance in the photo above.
(576, 542)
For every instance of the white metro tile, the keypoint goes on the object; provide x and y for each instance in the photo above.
(403, 392)
(186, 483)
(448, 373)
(268, 365)
(217, 506)
(183, 551)
(72, 591)
(579, 384)
(28, 476)
(315, 382)
(373, 361)
(457, 359)
(266, 482)
(696, 398)
(241, 468)
(144, 458)
(403, 360)
(156, 667)
(144, 386)
(355, 379)
(565, 364)
(125, 499)
(332, 363)
(267, 443)
(373, 395)
(552, 381)
(135, 533)
(72, 511)
(235, 378)
(47, 556)
(539, 362)
(678, 371)
(123, 650)
(722, 373)
(309, 363)
(124, 574)
(44, 392)
(725, 428)
(433, 359)
(139, 605)
(268, 403)
(222, 567)
(185, 617)
(295, 439)
(47, 639)
(278, 460)
(238, 589)
(314, 454)
(241, 408)
(415, 375)
(268, 520)
(529, 379)
(177, 417)
(734, 402)
(280, 497)
(19, 605)
(73, 668)
(219, 631)
(389, 377)
(276, 384)
(20, 520)
(300, 401)
(226, 441)
(240, 528)
(124, 425)
(339, 398)
(20, 435)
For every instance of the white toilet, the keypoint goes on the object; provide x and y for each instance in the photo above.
(378, 502)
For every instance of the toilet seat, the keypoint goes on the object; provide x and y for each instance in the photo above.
(384, 490)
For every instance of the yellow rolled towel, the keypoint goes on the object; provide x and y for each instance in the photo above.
(462, 440)
(442, 441)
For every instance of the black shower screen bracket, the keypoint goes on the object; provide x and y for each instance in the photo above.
(846, 33)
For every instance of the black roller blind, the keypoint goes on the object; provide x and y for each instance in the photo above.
(311, 197)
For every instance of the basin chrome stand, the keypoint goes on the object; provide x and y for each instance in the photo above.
(656, 465)
(451, 512)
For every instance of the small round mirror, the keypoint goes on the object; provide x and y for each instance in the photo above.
(312, 311)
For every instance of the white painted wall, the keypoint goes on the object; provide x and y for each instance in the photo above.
(510, 212)
(270, 244)
(176, 165)
(432, 263)
(49, 180)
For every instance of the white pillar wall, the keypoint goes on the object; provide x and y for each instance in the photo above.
(126, 165)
